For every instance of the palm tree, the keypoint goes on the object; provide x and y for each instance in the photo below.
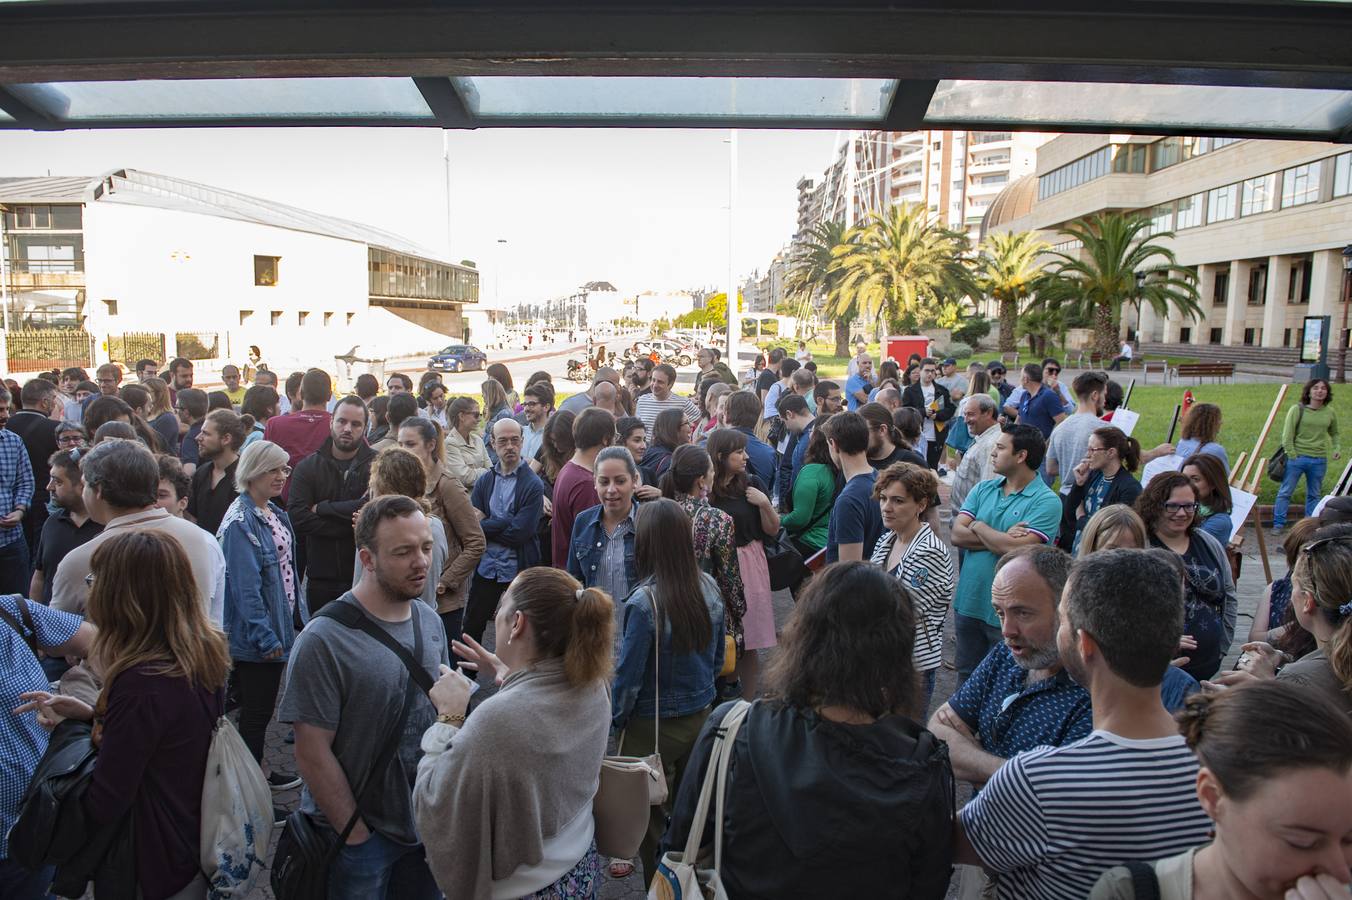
(1008, 272)
(1102, 277)
(901, 263)
(811, 276)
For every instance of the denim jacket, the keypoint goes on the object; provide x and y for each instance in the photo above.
(588, 544)
(687, 680)
(257, 615)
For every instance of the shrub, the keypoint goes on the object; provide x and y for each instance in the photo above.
(972, 331)
(957, 350)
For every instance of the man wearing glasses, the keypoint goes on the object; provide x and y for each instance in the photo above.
(537, 405)
(932, 401)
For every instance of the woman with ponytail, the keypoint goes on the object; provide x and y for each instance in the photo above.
(1102, 478)
(688, 481)
(1321, 598)
(1276, 779)
(503, 799)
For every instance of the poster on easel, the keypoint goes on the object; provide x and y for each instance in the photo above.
(1126, 420)
(1159, 466)
(1242, 505)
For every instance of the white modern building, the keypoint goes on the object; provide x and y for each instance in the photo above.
(1260, 223)
(132, 258)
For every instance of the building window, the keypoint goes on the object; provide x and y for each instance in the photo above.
(328, 317)
(1286, 338)
(349, 318)
(302, 317)
(1220, 203)
(1185, 335)
(265, 270)
(1189, 212)
(110, 307)
(1259, 195)
(276, 317)
(1257, 285)
(1300, 185)
(1217, 335)
(1342, 175)
(1162, 218)
(1220, 291)
(1249, 335)
(245, 315)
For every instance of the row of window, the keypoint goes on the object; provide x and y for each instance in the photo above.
(397, 275)
(62, 217)
(277, 317)
(1297, 286)
(1253, 337)
(1135, 159)
(1295, 186)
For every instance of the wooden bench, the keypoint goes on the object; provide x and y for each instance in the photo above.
(1198, 371)
(1010, 360)
(1075, 359)
(1096, 361)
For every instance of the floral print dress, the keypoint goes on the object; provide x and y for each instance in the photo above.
(716, 550)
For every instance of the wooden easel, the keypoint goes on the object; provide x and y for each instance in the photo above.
(1244, 482)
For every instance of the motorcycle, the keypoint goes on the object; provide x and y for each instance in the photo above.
(580, 370)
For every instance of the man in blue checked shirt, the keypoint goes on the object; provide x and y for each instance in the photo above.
(16, 495)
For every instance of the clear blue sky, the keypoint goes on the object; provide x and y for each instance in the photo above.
(644, 209)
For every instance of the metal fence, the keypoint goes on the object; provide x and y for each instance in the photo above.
(197, 345)
(37, 350)
(132, 346)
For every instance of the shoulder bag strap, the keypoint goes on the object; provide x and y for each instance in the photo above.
(1145, 883)
(348, 615)
(732, 723)
(657, 671)
(692, 840)
(27, 630)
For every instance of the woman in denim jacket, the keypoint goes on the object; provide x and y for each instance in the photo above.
(262, 591)
(666, 716)
(601, 551)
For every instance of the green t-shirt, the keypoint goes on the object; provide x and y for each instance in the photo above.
(1037, 505)
(1317, 435)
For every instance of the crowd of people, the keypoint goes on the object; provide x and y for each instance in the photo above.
(327, 566)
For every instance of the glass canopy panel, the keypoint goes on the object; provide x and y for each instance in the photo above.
(228, 98)
(604, 97)
(1142, 106)
(5, 117)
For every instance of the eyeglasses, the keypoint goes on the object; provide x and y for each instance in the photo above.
(1308, 550)
(285, 470)
(1096, 449)
(69, 440)
(1052, 371)
(89, 580)
(1174, 509)
(507, 441)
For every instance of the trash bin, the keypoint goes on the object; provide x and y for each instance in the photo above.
(900, 348)
(351, 364)
(1305, 371)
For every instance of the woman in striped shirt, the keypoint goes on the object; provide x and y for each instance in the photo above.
(912, 553)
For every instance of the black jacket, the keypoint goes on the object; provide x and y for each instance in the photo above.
(819, 809)
(1124, 489)
(39, 439)
(914, 397)
(335, 493)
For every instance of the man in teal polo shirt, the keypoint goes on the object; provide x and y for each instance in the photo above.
(1014, 509)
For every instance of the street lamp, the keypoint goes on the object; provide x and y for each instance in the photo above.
(1347, 300)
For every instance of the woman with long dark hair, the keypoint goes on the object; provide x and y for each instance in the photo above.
(688, 482)
(161, 415)
(670, 430)
(840, 731)
(755, 521)
(1213, 493)
(260, 404)
(164, 667)
(814, 493)
(671, 650)
(1169, 506)
(500, 373)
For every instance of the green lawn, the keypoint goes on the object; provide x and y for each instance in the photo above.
(1244, 409)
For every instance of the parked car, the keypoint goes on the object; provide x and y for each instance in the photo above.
(672, 352)
(458, 358)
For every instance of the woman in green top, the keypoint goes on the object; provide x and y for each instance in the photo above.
(1309, 437)
(814, 491)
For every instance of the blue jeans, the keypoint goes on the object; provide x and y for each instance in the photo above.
(1313, 468)
(18, 883)
(975, 637)
(379, 868)
(15, 575)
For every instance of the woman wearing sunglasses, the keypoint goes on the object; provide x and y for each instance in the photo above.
(1321, 598)
(1169, 508)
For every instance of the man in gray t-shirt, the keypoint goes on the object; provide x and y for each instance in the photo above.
(344, 693)
(1069, 439)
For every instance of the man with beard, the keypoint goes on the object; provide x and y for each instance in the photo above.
(1020, 697)
(67, 528)
(213, 484)
(348, 694)
(327, 488)
(1051, 821)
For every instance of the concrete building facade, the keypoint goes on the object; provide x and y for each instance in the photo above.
(1260, 223)
(219, 272)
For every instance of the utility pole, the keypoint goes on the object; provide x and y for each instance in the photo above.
(1341, 377)
(734, 320)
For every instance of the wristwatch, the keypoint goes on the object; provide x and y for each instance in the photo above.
(447, 719)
